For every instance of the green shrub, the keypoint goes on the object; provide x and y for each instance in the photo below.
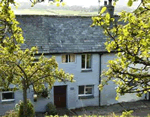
(51, 109)
(30, 109)
(11, 113)
(148, 115)
(44, 93)
(127, 114)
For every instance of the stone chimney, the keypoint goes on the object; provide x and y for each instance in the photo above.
(105, 3)
(110, 7)
(110, 2)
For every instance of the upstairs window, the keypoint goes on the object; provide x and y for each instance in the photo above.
(7, 96)
(51, 0)
(86, 61)
(68, 58)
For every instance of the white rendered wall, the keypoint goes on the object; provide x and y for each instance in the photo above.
(108, 93)
(82, 78)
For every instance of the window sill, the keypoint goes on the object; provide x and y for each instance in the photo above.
(86, 97)
(7, 101)
(68, 63)
(86, 70)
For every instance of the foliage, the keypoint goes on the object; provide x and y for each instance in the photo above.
(56, 2)
(45, 93)
(30, 109)
(11, 113)
(16, 65)
(127, 114)
(124, 114)
(128, 36)
(51, 109)
(18, 111)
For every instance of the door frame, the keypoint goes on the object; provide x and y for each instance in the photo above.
(66, 94)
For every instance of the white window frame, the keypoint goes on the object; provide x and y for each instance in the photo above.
(86, 62)
(7, 100)
(86, 86)
(68, 58)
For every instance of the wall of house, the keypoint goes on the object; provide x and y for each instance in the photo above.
(108, 93)
(39, 105)
(82, 78)
(54, 34)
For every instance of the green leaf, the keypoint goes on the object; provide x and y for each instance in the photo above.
(130, 2)
(103, 10)
(117, 97)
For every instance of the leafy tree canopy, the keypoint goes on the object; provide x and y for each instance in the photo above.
(129, 37)
(17, 66)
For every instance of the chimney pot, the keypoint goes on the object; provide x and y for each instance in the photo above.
(110, 2)
(110, 7)
(105, 3)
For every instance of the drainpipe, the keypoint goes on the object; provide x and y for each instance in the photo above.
(100, 55)
(146, 96)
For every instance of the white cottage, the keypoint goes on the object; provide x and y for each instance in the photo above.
(79, 49)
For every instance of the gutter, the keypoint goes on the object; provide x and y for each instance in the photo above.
(100, 61)
(56, 53)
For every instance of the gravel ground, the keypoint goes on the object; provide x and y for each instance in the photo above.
(140, 108)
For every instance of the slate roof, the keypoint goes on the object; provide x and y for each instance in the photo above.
(61, 34)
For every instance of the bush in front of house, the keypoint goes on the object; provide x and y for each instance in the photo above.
(127, 114)
(51, 109)
(11, 113)
(30, 109)
(124, 114)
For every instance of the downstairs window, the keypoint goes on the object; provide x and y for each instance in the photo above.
(7, 96)
(86, 91)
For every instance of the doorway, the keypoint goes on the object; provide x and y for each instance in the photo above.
(60, 96)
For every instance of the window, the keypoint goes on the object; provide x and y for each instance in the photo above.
(7, 96)
(49, 0)
(86, 61)
(67, 58)
(86, 91)
(53, 0)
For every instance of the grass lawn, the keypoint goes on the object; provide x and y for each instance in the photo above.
(54, 12)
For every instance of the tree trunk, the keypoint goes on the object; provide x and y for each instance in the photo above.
(24, 99)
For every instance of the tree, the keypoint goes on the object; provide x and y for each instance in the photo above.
(17, 66)
(129, 37)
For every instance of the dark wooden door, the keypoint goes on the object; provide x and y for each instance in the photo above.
(60, 96)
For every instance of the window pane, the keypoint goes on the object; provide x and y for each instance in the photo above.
(81, 89)
(6, 96)
(72, 58)
(69, 58)
(88, 91)
(66, 58)
(83, 61)
(54, 0)
(89, 61)
(63, 58)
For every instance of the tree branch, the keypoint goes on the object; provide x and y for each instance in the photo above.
(48, 76)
